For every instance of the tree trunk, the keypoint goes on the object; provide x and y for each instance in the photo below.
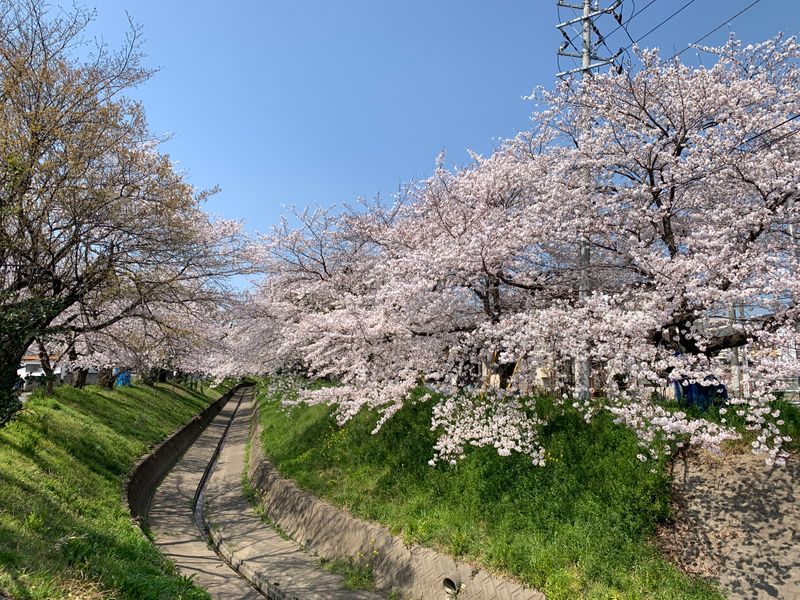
(147, 376)
(10, 359)
(106, 377)
(9, 402)
(80, 378)
(20, 323)
(47, 367)
(12, 348)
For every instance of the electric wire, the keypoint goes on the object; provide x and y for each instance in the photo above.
(622, 22)
(602, 39)
(717, 28)
(786, 135)
(618, 27)
(766, 131)
(631, 18)
(767, 144)
(570, 41)
(669, 18)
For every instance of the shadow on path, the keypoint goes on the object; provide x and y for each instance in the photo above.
(738, 522)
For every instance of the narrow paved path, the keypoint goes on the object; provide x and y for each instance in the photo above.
(279, 567)
(257, 549)
(172, 521)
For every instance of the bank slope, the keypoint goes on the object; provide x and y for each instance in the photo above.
(64, 530)
(580, 527)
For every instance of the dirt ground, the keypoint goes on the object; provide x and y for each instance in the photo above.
(738, 522)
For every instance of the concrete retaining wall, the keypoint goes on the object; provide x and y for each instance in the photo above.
(332, 533)
(149, 470)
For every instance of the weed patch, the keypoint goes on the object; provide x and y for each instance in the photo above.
(357, 574)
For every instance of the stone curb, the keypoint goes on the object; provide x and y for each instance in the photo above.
(274, 565)
(331, 533)
(150, 469)
(256, 578)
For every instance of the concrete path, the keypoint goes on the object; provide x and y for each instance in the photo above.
(172, 522)
(275, 564)
(737, 523)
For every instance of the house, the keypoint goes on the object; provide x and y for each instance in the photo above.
(31, 372)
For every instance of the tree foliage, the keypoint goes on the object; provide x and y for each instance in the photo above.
(96, 226)
(683, 188)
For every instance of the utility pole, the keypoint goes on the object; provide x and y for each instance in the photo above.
(586, 54)
(736, 364)
(794, 257)
(590, 11)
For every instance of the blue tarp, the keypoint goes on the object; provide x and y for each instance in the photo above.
(123, 378)
(699, 395)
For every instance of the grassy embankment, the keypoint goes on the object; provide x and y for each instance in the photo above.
(580, 527)
(64, 531)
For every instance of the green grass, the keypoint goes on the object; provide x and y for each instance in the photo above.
(64, 530)
(356, 574)
(580, 527)
(790, 413)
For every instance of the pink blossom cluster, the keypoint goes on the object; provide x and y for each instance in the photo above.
(681, 182)
(501, 422)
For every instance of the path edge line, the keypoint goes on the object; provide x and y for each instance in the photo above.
(149, 471)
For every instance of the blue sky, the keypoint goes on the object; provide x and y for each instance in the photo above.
(305, 102)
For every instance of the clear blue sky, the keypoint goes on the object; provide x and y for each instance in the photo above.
(301, 102)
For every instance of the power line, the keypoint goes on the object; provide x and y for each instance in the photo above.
(669, 18)
(570, 40)
(622, 23)
(767, 144)
(635, 14)
(602, 39)
(720, 26)
(784, 136)
(624, 26)
(770, 143)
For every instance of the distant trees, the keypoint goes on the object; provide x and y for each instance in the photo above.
(96, 227)
(684, 189)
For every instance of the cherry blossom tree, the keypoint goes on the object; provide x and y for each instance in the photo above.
(684, 188)
(690, 212)
(95, 223)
